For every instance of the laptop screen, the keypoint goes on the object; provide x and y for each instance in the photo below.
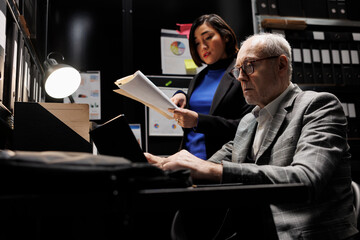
(115, 138)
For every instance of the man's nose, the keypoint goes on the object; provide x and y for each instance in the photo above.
(242, 76)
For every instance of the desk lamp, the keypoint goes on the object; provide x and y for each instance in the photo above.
(61, 80)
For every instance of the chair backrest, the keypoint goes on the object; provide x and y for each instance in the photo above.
(356, 190)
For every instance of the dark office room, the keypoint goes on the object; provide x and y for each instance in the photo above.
(240, 119)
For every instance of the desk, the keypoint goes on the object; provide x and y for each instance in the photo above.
(60, 195)
(131, 215)
(231, 196)
(249, 205)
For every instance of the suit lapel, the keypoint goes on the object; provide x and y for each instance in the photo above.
(278, 120)
(244, 138)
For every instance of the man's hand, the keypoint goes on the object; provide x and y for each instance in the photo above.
(200, 169)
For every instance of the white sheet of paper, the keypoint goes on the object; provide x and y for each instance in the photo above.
(141, 89)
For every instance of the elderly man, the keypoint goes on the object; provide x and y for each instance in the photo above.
(291, 136)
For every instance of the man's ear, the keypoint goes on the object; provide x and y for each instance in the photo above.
(283, 63)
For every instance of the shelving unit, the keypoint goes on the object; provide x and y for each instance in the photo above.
(21, 23)
(23, 71)
(258, 18)
(341, 36)
(309, 21)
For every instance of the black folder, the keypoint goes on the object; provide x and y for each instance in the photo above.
(317, 64)
(262, 7)
(355, 62)
(327, 63)
(37, 129)
(115, 138)
(307, 63)
(346, 64)
(336, 60)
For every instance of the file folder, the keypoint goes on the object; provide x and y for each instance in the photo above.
(317, 64)
(11, 66)
(333, 9)
(307, 63)
(51, 127)
(346, 64)
(290, 8)
(273, 7)
(298, 74)
(315, 9)
(327, 64)
(341, 6)
(336, 61)
(2, 46)
(20, 69)
(262, 7)
(352, 9)
(355, 62)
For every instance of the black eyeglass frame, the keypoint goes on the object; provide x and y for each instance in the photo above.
(249, 64)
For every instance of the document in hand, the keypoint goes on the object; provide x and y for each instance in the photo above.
(138, 87)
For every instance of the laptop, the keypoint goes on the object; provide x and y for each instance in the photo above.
(115, 138)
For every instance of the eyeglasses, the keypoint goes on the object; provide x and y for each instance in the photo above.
(247, 67)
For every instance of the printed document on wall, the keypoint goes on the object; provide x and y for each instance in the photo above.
(89, 92)
(161, 126)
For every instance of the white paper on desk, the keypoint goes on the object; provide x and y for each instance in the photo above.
(141, 89)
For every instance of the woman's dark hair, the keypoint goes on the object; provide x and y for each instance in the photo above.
(221, 27)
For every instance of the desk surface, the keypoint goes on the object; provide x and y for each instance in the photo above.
(227, 195)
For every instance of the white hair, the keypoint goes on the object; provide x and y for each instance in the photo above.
(273, 44)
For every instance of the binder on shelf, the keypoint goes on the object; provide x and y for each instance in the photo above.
(355, 62)
(290, 8)
(2, 45)
(317, 63)
(337, 38)
(346, 64)
(25, 90)
(337, 9)
(332, 8)
(20, 69)
(295, 38)
(353, 122)
(327, 63)
(336, 62)
(298, 74)
(11, 66)
(341, 6)
(273, 7)
(315, 9)
(352, 9)
(307, 63)
(33, 74)
(262, 7)
(2, 72)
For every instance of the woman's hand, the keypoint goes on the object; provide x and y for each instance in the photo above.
(200, 169)
(185, 117)
(179, 100)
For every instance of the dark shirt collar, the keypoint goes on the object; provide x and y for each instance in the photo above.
(223, 63)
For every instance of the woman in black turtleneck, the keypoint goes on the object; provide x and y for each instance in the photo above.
(211, 110)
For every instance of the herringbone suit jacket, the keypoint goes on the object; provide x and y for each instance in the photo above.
(306, 143)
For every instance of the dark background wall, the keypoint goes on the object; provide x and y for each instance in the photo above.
(120, 37)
